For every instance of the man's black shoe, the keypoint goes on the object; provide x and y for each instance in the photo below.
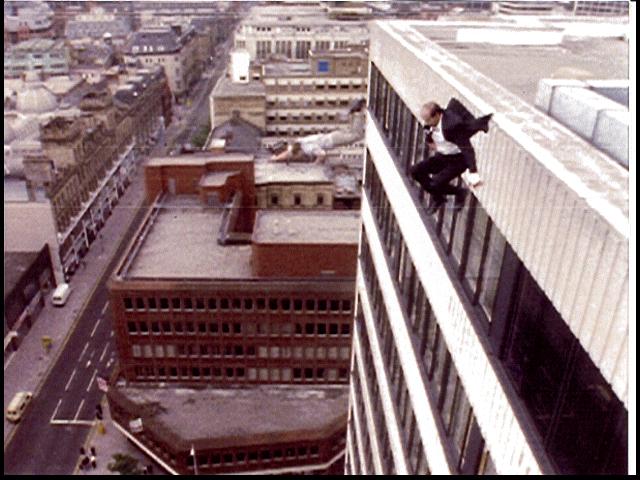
(435, 205)
(485, 122)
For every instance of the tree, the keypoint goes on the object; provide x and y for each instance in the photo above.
(124, 464)
(200, 138)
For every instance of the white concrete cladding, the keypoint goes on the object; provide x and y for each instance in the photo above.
(488, 391)
(562, 205)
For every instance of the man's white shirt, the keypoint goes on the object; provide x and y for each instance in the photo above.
(442, 146)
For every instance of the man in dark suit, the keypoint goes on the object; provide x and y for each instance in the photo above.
(448, 151)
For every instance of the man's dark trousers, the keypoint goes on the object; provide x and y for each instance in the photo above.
(435, 173)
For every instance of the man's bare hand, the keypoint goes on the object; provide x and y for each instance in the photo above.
(472, 179)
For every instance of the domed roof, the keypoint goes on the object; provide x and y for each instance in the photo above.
(35, 99)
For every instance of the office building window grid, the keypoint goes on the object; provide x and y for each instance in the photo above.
(229, 339)
(455, 413)
(525, 331)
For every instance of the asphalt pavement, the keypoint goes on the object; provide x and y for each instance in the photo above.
(64, 381)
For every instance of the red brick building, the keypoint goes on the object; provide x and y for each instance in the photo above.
(212, 292)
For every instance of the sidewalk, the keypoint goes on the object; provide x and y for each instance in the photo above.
(58, 322)
(108, 443)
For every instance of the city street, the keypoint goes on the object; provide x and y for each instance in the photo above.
(56, 423)
(59, 418)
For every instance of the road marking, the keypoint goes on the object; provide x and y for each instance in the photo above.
(8, 361)
(111, 334)
(103, 352)
(104, 309)
(95, 372)
(70, 378)
(88, 423)
(92, 353)
(96, 326)
(79, 408)
(56, 410)
(86, 345)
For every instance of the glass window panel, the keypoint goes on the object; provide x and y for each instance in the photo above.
(538, 352)
(476, 243)
(452, 385)
(491, 270)
(591, 435)
(459, 236)
(460, 421)
(447, 222)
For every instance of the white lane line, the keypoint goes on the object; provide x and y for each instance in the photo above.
(103, 352)
(95, 327)
(88, 423)
(104, 309)
(111, 334)
(9, 361)
(73, 374)
(79, 408)
(86, 345)
(95, 372)
(56, 410)
(93, 352)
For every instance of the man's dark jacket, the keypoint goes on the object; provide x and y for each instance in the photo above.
(458, 126)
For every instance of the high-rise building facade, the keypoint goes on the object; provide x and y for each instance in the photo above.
(292, 31)
(492, 339)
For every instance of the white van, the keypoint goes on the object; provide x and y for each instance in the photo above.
(17, 406)
(61, 294)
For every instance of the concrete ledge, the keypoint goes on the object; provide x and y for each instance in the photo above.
(578, 108)
(546, 87)
(611, 134)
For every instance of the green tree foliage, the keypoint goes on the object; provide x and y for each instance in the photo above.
(124, 464)
(200, 137)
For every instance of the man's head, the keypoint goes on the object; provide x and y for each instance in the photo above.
(431, 113)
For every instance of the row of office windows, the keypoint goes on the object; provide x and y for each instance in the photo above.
(293, 86)
(440, 375)
(240, 374)
(377, 413)
(240, 351)
(307, 117)
(296, 132)
(442, 381)
(352, 464)
(246, 328)
(251, 457)
(274, 200)
(273, 305)
(366, 445)
(581, 422)
(412, 443)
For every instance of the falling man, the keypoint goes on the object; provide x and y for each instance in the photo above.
(448, 152)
